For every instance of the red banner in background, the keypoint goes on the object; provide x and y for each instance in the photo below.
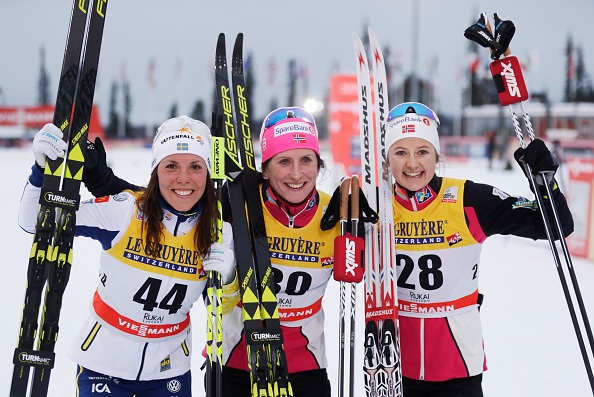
(581, 201)
(35, 117)
(343, 122)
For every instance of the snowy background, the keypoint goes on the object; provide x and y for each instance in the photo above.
(529, 339)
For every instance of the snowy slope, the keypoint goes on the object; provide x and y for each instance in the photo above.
(530, 342)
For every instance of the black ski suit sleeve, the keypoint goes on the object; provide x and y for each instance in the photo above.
(98, 177)
(500, 213)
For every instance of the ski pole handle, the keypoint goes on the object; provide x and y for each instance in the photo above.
(344, 203)
(354, 202)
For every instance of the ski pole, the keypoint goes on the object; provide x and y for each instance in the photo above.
(344, 199)
(354, 233)
(565, 249)
(562, 241)
(516, 93)
(214, 312)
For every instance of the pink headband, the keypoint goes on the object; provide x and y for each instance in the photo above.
(291, 133)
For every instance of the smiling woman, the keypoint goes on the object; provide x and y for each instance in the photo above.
(158, 245)
(301, 255)
(440, 226)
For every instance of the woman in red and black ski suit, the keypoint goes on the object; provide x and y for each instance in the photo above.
(440, 225)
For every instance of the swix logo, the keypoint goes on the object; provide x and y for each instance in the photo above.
(351, 263)
(510, 79)
(100, 388)
(485, 35)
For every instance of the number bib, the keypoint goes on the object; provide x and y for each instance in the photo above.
(437, 257)
(144, 296)
(302, 260)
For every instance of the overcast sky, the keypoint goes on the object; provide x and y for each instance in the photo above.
(180, 35)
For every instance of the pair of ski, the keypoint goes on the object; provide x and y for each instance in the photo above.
(381, 363)
(232, 135)
(51, 254)
(509, 81)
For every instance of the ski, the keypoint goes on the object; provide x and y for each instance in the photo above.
(51, 253)
(262, 331)
(214, 296)
(382, 351)
(390, 353)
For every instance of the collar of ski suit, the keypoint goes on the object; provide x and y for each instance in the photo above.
(419, 200)
(291, 215)
(172, 218)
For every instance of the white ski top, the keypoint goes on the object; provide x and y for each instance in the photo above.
(138, 325)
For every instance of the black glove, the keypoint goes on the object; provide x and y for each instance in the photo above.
(97, 176)
(540, 159)
(332, 214)
(504, 31)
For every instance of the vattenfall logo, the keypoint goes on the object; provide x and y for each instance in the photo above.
(55, 198)
(294, 127)
(178, 136)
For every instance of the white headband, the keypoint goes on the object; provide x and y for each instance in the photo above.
(412, 125)
(182, 135)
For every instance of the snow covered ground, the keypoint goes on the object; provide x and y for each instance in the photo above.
(529, 339)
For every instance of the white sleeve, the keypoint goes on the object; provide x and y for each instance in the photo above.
(228, 235)
(104, 219)
(29, 207)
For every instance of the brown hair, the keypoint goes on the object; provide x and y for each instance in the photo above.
(152, 228)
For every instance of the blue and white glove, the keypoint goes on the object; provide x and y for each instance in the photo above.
(220, 258)
(48, 143)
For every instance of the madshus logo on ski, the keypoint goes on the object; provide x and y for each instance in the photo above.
(266, 336)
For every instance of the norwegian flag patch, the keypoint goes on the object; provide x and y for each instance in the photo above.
(299, 138)
(408, 129)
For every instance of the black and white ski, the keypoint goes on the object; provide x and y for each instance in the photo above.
(262, 331)
(51, 254)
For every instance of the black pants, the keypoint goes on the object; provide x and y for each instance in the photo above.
(460, 387)
(315, 383)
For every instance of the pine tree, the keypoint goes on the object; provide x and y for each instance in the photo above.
(112, 125)
(127, 108)
(43, 84)
(198, 111)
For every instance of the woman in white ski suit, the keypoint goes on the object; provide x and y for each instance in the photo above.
(157, 245)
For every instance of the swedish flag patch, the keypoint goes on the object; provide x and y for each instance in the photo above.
(182, 146)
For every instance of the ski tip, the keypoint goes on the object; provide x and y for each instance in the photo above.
(221, 40)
